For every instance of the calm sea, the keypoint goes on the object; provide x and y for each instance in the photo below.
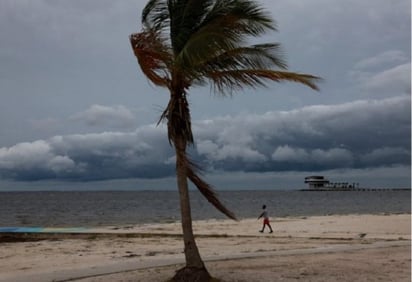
(132, 207)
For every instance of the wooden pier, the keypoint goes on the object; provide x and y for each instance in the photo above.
(355, 189)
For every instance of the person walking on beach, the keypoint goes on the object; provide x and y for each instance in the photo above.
(265, 216)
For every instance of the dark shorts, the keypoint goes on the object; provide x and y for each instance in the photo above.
(266, 221)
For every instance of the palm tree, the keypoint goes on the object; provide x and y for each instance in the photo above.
(185, 43)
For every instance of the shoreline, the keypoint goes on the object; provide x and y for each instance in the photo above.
(354, 189)
(78, 229)
(83, 228)
(134, 252)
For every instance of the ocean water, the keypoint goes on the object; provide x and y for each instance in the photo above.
(69, 209)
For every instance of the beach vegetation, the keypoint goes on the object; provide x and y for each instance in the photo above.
(188, 43)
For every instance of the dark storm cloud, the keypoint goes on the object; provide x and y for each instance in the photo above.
(89, 157)
(360, 134)
(351, 135)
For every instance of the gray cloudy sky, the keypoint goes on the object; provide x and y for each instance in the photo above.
(75, 106)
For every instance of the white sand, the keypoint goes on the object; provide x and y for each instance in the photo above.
(321, 248)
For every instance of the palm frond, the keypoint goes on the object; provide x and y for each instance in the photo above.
(186, 16)
(225, 27)
(259, 56)
(153, 56)
(207, 190)
(255, 57)
(227, 81)
(247, 16)
(155, 15)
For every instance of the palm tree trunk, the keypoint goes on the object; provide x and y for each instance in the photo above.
(193, 259)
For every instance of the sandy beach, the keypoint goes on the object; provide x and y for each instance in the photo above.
(318, 248)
